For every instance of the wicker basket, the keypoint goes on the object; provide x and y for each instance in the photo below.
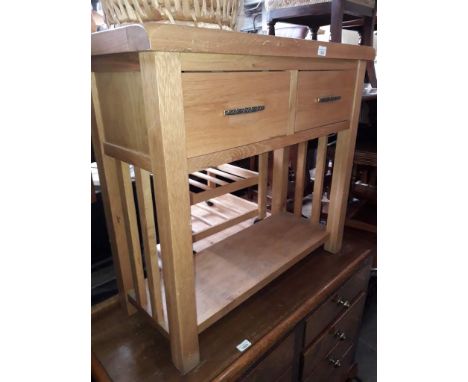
(200, 13)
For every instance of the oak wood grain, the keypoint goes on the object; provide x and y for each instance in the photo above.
(148, 233)
(320, 168)
(176, 38)
(208, 95)
(162, 94)
(342, 166)
(311, 86)
(111, 201)
(300, 177)
(131, 226)
(280, 180)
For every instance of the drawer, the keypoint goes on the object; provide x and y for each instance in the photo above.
(208, 95)
(336, 304)
(326, 371)
(323, 97)
(275, 364)
(339, 336)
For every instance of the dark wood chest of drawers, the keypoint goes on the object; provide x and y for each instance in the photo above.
(321, 347)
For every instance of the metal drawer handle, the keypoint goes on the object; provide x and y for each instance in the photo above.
(342, 302)
(328, 99)
(244, 110)
(335, 362)
(340, 335)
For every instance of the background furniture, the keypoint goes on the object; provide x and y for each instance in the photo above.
(171, 113)
(358, 15)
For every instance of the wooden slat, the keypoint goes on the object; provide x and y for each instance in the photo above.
(300, 177)
(237, 153)
(111, 202)
(212, 210)
(202, 219)
(210, 178)
(220, 227)
(230, 206)
(133, 157)
(239, 171)
(148, 233)
(198, 184)
(342, 167)
(162, 86)
(293, 75)
(209, 182)
(218, 191)
(320, 167)
(128, 207)
(280, 180)
(224, 174)
(262, 184)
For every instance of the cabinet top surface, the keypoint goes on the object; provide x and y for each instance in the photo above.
(176, 38)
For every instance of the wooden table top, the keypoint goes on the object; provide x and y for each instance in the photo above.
(130, 349)
(176, 38)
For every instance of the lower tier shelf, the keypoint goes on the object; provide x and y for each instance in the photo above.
(232, 270)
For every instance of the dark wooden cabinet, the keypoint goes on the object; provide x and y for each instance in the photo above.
(276, 365)
(324, 341)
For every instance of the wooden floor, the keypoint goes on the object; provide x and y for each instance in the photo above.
(130, 349)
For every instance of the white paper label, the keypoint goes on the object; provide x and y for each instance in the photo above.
(243, 345)
(322, 50)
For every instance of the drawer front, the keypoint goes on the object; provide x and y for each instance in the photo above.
(323, 97)
(339, 336)
(275, 364)
(335, 305)
(256, 104)
(328, 372)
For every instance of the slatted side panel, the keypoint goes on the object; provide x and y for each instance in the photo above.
(262, 185)
(138, 211)
(302, 162)
(300, 172)
(131, 226)
(280, 180)
(320, 172)
(148, 234)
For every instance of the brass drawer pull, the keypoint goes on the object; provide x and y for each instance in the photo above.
(244, 110)
(328, 99)
(340, 335)
(344, 303)
(335, 362)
